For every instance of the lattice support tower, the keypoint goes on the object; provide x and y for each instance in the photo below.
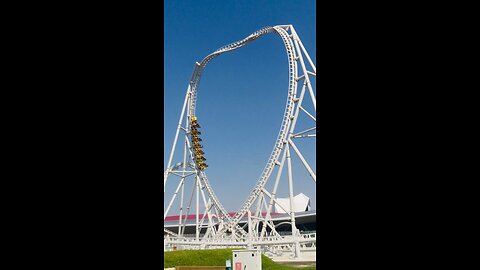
(214, 227)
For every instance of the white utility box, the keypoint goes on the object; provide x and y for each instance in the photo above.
(247, 260)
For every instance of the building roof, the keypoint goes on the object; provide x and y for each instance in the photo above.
(301, 203)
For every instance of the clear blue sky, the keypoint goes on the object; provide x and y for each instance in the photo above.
(242, 94)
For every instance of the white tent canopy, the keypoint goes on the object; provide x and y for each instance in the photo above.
(301, 203)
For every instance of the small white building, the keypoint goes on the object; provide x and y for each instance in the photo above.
(301, 203)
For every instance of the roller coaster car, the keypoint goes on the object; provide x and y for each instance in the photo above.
(197, 145)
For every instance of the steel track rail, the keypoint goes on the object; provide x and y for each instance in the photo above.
(283, 133)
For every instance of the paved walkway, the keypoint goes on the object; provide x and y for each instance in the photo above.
(301, 260)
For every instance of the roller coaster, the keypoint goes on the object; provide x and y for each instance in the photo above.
(253, 225)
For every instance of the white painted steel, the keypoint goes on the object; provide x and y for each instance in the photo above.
(224, 230)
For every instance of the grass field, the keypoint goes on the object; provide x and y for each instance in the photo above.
(215, 257)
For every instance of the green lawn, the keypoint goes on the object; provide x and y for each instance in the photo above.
(214, 257)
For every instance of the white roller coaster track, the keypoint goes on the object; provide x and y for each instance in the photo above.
(284, 143)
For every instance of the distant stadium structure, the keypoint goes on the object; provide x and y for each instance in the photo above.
(271, 218)
(301, 203)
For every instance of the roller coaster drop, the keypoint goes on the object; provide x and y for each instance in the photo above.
(214, 226)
